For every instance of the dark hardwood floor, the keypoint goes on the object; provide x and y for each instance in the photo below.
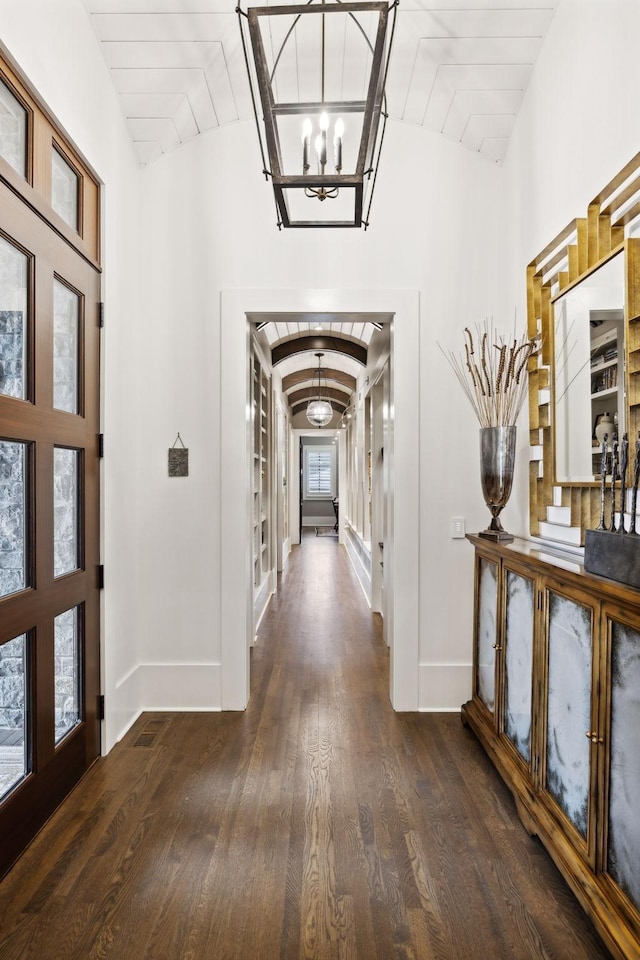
(318, 824)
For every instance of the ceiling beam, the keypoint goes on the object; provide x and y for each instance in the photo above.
(312, 344)
(309, 393)
(337, 376)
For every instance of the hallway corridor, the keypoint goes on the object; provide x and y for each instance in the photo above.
(317, 825)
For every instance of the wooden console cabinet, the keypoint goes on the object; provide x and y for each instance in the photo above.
(556, 705)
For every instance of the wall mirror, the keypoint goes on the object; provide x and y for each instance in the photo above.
(588, 370)
(583, 300)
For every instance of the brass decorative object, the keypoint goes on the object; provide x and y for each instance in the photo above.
(581, 248)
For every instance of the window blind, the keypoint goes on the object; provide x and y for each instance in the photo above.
(319, 473)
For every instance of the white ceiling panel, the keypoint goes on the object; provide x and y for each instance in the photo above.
(150, 104)
(179, 64)
(337, 361)
(492, 20)
(166, 56)
(468, 103)
(154, 27)
(485, 127)
(162, 131)
(494, 148)
(222, 93)
(174, 7)
(147, 151)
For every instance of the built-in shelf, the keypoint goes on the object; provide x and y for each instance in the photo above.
(262, 430)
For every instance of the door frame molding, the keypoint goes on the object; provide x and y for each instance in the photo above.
(402, 551)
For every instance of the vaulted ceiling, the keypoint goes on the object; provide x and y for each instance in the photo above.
(294, 342)
(458, 67)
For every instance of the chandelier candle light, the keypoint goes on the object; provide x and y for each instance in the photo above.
(494, 375)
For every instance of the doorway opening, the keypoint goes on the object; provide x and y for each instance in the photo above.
(396, 460)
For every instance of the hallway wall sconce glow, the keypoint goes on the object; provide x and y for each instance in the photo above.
(308, 64)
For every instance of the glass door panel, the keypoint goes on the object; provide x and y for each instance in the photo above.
(568, 713)
(65, 189)
(487, 624)
(67, 671)
(13, 130)
(14, 277)
(623, 849)
(66, 329)
(14, 709)
(518, 663)
(65, 510)
(13, 517)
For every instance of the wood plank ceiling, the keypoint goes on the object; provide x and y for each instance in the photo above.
(458, 68)
(299, 371)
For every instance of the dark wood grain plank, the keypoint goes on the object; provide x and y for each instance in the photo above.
(317, 825)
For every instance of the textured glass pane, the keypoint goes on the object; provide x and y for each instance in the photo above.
(66, 317)
(13, 518)
(13, 713)
(66, 654)
(518, 662)
(64, 189)
(13, 131)
(624, 779)
(14, 275)
(569, 705)
(65, 510)
(487, 605)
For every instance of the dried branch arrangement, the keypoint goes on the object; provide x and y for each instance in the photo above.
(493, 374)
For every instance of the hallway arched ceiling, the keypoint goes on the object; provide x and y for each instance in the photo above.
(298, 369)
(458, 67)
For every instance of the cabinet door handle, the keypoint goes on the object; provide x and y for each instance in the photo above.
(497, 646)
(593, 736)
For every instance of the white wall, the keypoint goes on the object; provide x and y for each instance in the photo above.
(445, 223)
(578, 126)
(436, 230)
(55, 46)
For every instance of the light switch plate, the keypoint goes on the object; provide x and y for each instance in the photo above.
(457, 528)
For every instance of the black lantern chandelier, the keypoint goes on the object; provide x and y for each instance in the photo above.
(319, 410)
(309, 62)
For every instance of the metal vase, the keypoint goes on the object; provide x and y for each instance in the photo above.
(497, 459)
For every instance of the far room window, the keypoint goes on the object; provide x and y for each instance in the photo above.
(319, 472)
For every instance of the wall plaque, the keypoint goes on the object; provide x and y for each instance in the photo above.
(178, 459)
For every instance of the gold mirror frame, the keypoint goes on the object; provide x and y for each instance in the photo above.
(583, 246)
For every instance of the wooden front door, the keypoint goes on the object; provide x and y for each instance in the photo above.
(49, 516)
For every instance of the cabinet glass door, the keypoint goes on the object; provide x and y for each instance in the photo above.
(622, 854)
(486, 626)
(568, 772)
(518, 661)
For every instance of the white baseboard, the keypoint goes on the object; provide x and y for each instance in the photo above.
(443, 686)
(360, 556)
(170, 686)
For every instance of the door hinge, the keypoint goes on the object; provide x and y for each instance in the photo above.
(101, 314)
(101, 707)
(101, 576)
(101, 445)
